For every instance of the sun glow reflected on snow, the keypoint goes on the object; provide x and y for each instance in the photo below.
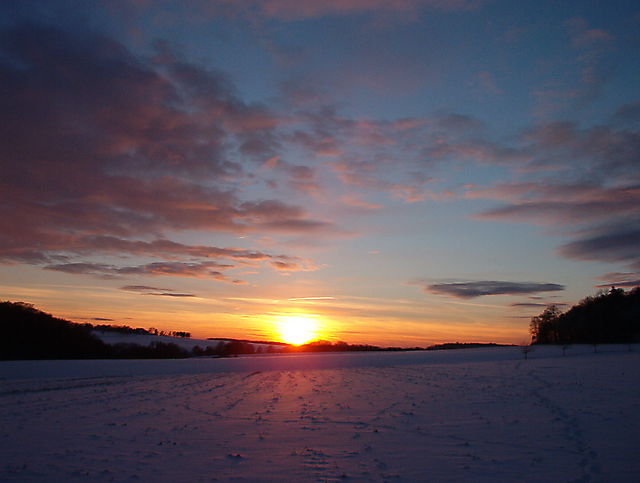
(297, 329)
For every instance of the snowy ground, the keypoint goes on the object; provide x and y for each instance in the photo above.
(465, 415)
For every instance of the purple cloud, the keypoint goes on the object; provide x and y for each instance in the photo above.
(553, 203)
(169, 269)
(613, 243)
(102, 149)
(620, 279)
(161, 292)
(625, 283)
(144, 288)
(531, 305)
(578, 179)
(473, 289)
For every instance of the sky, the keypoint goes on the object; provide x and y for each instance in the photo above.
(393, 173)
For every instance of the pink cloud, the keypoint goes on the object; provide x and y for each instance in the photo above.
(552, 203)
(105, 152)
(168, 269)
(615, 241)
(355, 202)
(582, 180)
(409, 193)
(272, 162)
(293, 265)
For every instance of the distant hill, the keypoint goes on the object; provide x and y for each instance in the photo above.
(464, 345)
(607, 318)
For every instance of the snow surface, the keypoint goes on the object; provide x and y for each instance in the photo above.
(463, 415)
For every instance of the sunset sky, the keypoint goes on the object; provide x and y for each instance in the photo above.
(399, 172)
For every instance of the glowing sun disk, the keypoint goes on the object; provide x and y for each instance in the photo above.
(297, 329)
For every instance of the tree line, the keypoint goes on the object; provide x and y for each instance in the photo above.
(29, 333)
(125, 329)
(611, 317)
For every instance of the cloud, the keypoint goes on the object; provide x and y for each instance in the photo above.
(161, 292)
(168, 269)
(607, 149)
(303, 299)
(583, 180)
(82, 268)
(531, 305)
(625, 283)
(144, 288)
(173, 269)
(360, 175)
(108, 153)
(620, 279)
(489, 287)
(554, 203)
(354, 201)
(294, 265)
(611, 242)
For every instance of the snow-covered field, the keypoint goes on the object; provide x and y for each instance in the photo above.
(465, 415)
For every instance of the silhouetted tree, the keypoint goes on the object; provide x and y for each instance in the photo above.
(606, 318)
(236, 347)
(197, 351)
(544, 327)
(178, 333)
(156, 350)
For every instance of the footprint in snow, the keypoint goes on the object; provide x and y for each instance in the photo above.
(235, 456)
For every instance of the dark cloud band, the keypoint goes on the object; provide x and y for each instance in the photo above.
(467, 290)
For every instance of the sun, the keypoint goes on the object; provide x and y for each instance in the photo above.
(297, 329)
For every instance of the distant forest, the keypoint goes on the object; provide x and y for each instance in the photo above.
(125, 329)
(607, 318)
